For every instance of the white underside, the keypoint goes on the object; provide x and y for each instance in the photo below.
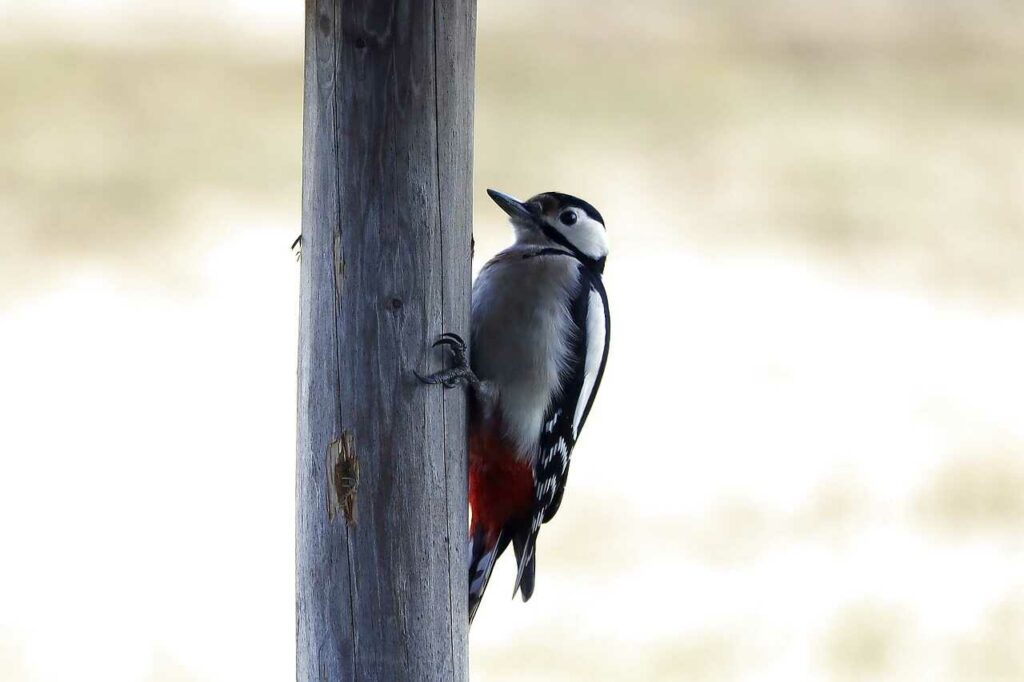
(521, 327)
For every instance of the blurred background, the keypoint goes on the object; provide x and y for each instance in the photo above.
(807, 459)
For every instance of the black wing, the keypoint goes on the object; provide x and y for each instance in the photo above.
(566, 415)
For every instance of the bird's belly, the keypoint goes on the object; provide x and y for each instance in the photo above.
(520, 332)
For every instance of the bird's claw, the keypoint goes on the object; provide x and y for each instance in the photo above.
(450, 339)
(460, 373)
(449, 378)
(456, 346)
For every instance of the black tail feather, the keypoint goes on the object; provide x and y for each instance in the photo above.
(482, 558)
(525, 578)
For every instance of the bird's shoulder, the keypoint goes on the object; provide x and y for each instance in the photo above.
(522, 253)
(528, 271)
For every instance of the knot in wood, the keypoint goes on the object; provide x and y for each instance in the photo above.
(343, 478)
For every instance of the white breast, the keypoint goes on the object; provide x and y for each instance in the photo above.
(520, 327)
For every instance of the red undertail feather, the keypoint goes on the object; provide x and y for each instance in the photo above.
(500, 484)
(500, 497)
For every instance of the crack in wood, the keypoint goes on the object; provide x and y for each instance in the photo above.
(339, 263)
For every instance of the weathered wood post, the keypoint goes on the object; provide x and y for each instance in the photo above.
(386, 228)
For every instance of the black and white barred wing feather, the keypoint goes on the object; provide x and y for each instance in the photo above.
(565, 418)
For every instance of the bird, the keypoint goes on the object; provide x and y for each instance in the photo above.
(540, 330)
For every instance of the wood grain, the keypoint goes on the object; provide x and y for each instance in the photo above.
(387, 168)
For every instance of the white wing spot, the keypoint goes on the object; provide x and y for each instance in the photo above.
(563, 451)
(548, 486)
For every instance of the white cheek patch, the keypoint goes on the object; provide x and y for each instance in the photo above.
(587, 235)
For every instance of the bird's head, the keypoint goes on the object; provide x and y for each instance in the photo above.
(557, 220)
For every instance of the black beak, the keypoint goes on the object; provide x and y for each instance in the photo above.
(511, 205)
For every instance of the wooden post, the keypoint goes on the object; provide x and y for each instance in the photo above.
(386, 229)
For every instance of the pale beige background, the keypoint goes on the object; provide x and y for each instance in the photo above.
(806, 463)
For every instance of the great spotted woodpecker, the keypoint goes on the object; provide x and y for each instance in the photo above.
(540, 329)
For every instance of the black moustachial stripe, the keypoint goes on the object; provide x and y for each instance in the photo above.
(595, 264)
(548, 251)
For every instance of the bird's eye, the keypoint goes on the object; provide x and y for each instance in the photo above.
(568, 217)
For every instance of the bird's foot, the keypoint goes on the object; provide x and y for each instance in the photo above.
(297, 247)
(460, 373)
